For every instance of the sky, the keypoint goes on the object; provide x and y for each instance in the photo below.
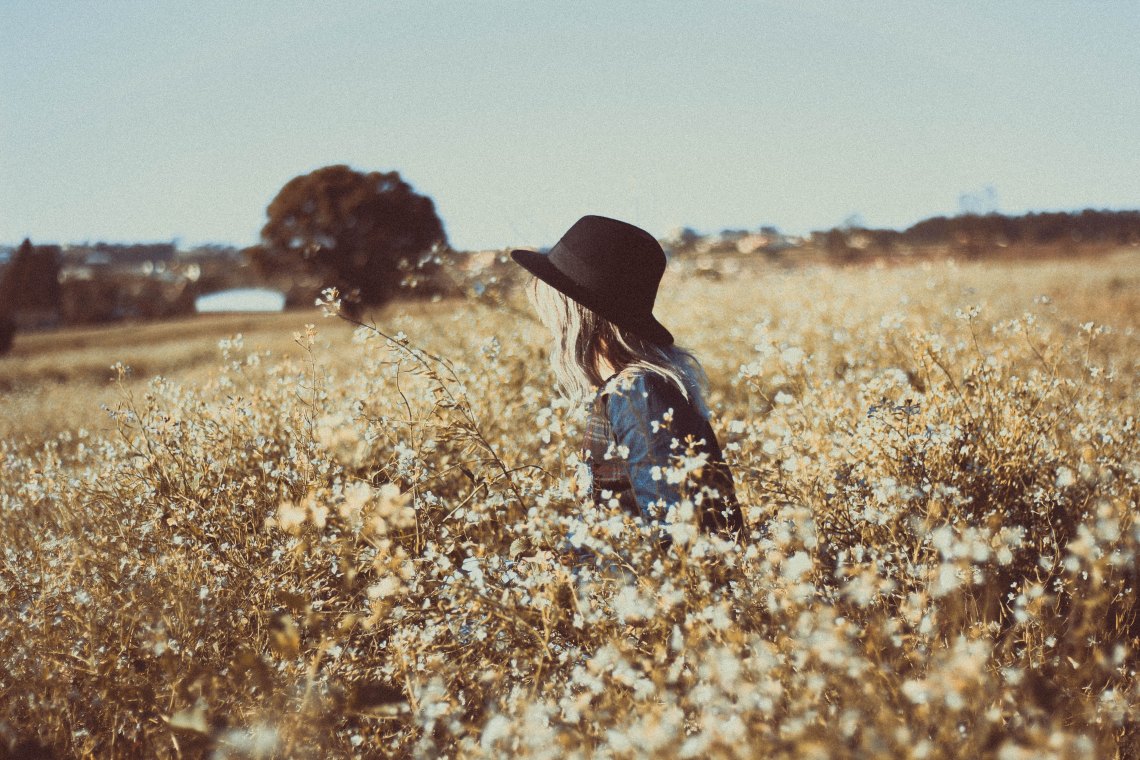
(153, 121)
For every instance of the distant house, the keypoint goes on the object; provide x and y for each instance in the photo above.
(753, 242)
(120, 256)
(478, 261)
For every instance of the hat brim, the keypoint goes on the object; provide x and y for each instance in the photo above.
(540, 266)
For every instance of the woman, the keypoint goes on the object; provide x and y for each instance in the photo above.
(648, 442)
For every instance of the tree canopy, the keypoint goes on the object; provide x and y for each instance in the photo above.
(359, 232)
(32, 278)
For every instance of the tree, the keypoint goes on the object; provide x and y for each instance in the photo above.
(359, 232)
(29, 290)
(32, 279)
(7, 322)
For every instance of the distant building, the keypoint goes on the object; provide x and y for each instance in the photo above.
(753, 242)
(478, 261)
(119, 255)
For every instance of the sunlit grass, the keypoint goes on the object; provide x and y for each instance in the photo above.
(321, 543)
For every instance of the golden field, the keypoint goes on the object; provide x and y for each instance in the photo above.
(333, 542)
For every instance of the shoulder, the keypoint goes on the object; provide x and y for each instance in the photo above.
(637, 384)
(641, 393)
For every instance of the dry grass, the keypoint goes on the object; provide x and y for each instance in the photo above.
(334, 547)
(62, 380)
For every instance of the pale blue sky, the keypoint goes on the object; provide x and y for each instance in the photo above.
(152, 120)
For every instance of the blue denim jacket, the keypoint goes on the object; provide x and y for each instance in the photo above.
(639, 425)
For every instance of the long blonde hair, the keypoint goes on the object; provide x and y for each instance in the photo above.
(582, 338)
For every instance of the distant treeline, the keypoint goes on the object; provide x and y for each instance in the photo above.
(50, 285)
(1044, 229)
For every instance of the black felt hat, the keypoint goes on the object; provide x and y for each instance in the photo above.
(608, 266)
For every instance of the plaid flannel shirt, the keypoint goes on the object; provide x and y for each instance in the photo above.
(609, 472)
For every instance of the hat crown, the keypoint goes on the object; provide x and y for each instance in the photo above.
(613, 258)
(608, 266)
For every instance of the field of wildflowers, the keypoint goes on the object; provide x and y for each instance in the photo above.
(357, 553)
